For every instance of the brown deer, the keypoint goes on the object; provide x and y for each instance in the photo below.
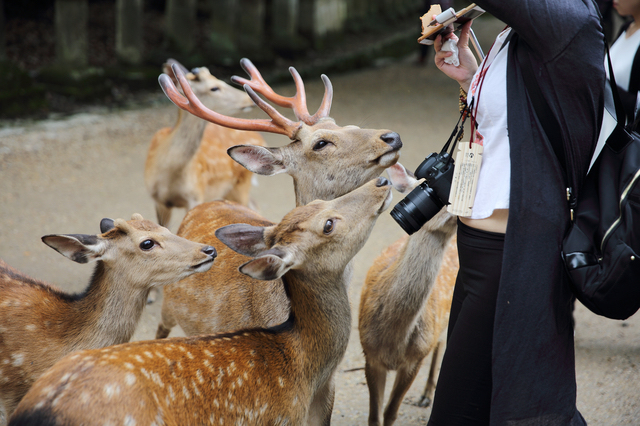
(404, 306)
(324, 160)
(277, 376)
(40, 324)
(188, 164)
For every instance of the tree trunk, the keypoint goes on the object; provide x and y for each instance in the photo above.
(3, 43)
(320, 19)
(284, 21)
(71, 18)
(251, 23)
(224, 17)
(180, 24)
(129, 31)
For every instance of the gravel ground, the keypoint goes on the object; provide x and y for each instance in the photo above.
(63, 176)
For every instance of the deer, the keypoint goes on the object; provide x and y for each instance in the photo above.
(40, 324)
(264, 376)
(325, 161)
(404, 306)
(187, 164)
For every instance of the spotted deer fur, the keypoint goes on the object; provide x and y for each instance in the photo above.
(40, 324)
(282, 375)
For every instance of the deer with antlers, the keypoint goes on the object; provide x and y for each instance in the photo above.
(188, 164)
(277, 376)
(404, 306)
(40, 324)
(325, 161)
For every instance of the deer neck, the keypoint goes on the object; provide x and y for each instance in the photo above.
(321, 318)
(302, 194)
(416, 271)
(108, 312)
(184, 140)
(307, 192)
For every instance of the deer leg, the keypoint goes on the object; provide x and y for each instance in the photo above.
(404, 379)
(322, 405)
(430, 387)
(167, 322)
(376, 379)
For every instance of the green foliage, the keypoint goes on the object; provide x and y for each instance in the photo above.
(18, 93)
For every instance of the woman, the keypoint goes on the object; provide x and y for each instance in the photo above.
(625, 57)
(510, 354)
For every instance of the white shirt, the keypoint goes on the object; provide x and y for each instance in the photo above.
(495, 170)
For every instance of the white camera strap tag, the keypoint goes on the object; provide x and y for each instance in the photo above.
(465, 179)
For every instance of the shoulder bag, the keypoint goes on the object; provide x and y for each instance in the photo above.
(601, 249)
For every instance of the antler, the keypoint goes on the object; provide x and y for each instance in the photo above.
(170, 62)
(278, 123)
(297, 103)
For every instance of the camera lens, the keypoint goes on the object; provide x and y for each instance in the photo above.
(417, 208)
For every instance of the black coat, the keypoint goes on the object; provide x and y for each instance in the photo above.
(533, 352)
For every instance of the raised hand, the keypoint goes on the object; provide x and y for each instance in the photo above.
(464, 72)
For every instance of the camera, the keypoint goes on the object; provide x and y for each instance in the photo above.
(430, 196)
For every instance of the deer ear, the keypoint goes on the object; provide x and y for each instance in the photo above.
(106, 225)
(242, 238)
(266, 267)
(80, 248)
(258, 159)
(402, 180)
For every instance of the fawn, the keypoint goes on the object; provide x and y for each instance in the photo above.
(188, 164)
(404, 306)
(40, 324)
(324, 160)
(282, 375)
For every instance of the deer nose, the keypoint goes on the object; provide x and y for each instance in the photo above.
(392, 139)
(209, 251)
(382, 182)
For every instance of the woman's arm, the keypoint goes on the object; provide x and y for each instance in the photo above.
(547, 26)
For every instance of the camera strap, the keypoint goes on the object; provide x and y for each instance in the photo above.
(457, 134)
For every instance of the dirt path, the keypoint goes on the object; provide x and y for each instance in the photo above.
(64, 176)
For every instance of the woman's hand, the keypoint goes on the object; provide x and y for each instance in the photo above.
(468, 64)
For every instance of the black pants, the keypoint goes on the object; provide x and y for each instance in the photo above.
(463, 393)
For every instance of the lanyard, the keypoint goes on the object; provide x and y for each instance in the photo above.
(484, 69)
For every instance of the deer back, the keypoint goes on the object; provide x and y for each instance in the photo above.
(249, 377)
(223, 299)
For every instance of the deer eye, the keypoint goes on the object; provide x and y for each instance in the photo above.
(215, 89)
(328, 226)
(320, 144)
(147, 245)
